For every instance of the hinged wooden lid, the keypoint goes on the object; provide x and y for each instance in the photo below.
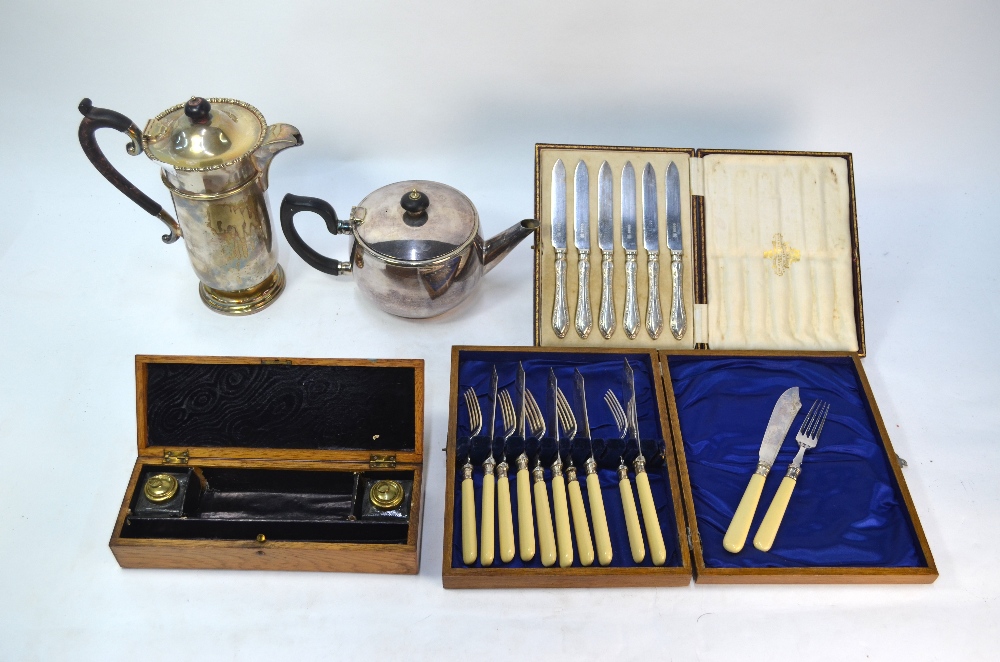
(350, 410)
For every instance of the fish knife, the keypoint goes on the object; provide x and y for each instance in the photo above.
(777, 428)
(657, 549)
(651, 242)
(581, 229)
(560, 313)
(678, 316)
(630, 242)
(606, 241)
(525, 519)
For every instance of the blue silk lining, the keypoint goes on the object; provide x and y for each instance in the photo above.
(846, 510)
(601, 372)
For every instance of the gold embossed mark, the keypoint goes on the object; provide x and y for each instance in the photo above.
(781, 255)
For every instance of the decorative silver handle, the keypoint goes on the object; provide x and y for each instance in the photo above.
(678, 318)
(584, 319)
(560, 313)
(630, 319)
(654, 317)
(607, 321)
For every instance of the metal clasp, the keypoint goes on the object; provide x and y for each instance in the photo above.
(170, 457)
(382, 462)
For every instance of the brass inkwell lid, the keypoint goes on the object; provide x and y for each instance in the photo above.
(386, 494)
(160, 488)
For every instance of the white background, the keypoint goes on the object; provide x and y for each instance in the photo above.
(459, 92)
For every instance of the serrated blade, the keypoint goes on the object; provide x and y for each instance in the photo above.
(673, 213)
(628, 389)
(581, 206)
(650, 218)
(559, 205)
(777, 427)
(552, 396)
(629, 240)
(580, 395)
(605, 215)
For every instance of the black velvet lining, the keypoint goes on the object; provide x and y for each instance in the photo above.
(281, 406)
(226, 503)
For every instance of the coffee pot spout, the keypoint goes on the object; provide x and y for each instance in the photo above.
(278, 137)
(496, 249)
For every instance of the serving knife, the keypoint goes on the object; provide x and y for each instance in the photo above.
(630, 242)
(777, 428)
(581, 229)
(606, 241)
(651, 242)
(560, 313)
(678, 316)
(525, 519)
(657, 550)
(602, 538)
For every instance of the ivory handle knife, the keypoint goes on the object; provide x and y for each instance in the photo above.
(602, 538)
(736, 534)
(631, 516)
(506, 519)
(584, 544)
(468, 517)
(657, 550)
(564, 540)
(486, 551)
(546, 537)
(525, 520)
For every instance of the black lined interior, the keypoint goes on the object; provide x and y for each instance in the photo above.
(281, 406)
(236, 503)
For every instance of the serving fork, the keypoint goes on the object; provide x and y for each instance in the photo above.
(807, 437)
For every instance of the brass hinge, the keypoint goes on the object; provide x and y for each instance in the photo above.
(382, 462)
(275, 362)
(170, 457)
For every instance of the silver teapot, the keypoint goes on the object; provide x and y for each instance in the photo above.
(214, 156)
(417, 249)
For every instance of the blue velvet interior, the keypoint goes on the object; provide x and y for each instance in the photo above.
(601, 372)
(846, 510)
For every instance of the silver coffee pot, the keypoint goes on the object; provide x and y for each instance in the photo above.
(214, 156)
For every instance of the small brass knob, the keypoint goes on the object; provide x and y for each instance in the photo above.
(160, 488)
(386, 494)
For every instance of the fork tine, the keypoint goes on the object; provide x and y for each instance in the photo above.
(810, 416)
(475, 414)
(534, 414)
(822, 421)
(567, 419)
(616, 409)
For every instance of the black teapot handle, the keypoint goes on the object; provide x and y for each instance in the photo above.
(100, 118)
(293, 204)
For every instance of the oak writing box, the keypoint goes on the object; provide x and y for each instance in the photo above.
(275, 464)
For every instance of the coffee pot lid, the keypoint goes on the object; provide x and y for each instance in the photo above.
(204, 134)
(415, 221)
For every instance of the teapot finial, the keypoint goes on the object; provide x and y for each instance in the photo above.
(415, 202)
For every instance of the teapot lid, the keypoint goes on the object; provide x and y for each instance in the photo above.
(415, 221)
(204, 134)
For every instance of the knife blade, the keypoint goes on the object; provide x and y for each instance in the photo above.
(525, 523)
(606, 241)
(560, 313)
(630, 318)
(519, 386)
(635, 541)
(678, 316)
(781, 419)
(581, 227)
(543, 514)
(493, 404)
(651, 241)
(628, 389)
(602, 538)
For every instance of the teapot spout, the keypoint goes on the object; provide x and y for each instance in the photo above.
(278, 138)
(497, 248)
